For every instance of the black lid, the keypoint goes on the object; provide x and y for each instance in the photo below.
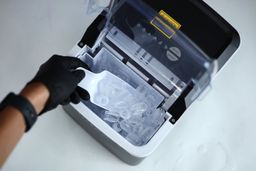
(215, 36)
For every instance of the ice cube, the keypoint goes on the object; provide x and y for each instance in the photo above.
(125, 114)
(112, 113)
(116, 127)
(110, 118)
(124, 125)
(139, 108)
(120, 104)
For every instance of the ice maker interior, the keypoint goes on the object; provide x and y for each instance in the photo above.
(144, 49)
(135, 118)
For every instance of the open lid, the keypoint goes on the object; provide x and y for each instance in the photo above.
(153, 41)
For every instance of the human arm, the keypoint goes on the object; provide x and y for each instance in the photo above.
(55, 83)
(12, 123)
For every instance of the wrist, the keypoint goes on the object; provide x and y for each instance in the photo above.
(37, 94)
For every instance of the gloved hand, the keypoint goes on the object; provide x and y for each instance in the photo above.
(60, 75)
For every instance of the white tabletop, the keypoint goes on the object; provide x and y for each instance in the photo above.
(215, 133)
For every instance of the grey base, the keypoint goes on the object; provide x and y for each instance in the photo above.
(102, 138)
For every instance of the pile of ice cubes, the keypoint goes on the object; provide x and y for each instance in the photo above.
(133, 113)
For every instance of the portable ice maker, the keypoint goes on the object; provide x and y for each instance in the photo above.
(167, 51)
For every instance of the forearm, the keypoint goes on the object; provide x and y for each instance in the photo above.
(12, 127)
(59, 77)
(12, 123)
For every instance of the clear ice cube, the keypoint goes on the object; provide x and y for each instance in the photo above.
(125, 114)
(110, 118)
(139, 108)
(116, 127)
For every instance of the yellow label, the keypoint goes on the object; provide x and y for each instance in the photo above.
(161, 24)
(171, 20)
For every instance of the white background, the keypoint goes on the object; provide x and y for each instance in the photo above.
(215, 134)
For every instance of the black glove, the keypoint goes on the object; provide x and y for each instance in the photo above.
(60, 76)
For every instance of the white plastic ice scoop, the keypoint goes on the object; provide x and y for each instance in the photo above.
(107, 90)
